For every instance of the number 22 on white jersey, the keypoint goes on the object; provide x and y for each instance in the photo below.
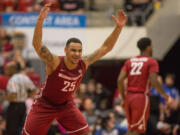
(136, 68)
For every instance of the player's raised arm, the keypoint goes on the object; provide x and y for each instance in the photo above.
(43, 52)
(109, 43)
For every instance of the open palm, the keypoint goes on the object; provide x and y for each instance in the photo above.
(120, 20)
(44, 11)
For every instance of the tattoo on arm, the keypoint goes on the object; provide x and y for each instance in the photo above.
(45, 54)
(92, 56)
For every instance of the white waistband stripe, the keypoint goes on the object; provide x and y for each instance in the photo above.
(26, 131)
(142, 119)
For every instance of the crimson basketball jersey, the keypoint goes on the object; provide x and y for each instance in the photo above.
(62, 83)
(138, 69)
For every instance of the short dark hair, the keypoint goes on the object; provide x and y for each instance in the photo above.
(143, 43)
(74, 40)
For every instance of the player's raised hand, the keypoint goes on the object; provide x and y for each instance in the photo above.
(44, 11)
(120, 20)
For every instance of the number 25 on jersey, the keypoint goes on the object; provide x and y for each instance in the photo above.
(136, 68)
(68, 86)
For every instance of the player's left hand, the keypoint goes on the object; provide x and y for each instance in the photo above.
(120, 20)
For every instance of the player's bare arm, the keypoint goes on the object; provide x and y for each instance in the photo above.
(43, 52)
(120, 84)
(157, 85)
(109, 43)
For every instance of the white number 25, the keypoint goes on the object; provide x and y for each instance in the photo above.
(136, 68)
(68, 86)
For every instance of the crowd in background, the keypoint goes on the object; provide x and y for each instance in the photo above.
(35, 5)
(100, 106)
(138, 11)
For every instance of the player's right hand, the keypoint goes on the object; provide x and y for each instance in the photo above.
(121, 18)
(44, 11)
(171, 103)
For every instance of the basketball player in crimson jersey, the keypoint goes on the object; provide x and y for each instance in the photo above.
(140, 71)
(64, 75)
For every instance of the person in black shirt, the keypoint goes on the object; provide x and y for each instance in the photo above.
(74, 6)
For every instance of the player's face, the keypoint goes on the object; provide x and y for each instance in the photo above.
(74, 52)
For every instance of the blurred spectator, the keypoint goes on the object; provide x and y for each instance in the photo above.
(7, 50)
(9, 70)
(170, 125)
(30, 99)
(91, 89)
(9, 5)
(36, 7)
(1, 7)
(17, 88)
(169, 87)
(19, 40)
(71, 6)
(90, 113)
(80, 95)
(110, 128)
(92, 5)
(24, 5)
(3, 82)
(19, 59)
(2, 36)
(119, 113)
(22, 63)
(104, 108)
(26, 66)
(98, 124)
(54, 129)
(100, 93)
(138, 11)
(1, 102)
(82, 91)
(118, 107)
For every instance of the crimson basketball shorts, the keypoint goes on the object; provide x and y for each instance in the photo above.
(41, 115)
(137, 107)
